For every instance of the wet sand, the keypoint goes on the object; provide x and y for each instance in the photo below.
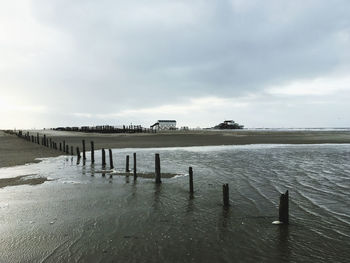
(16, 151)
(21, 180)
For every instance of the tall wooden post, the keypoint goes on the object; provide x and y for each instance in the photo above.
(110, 159)
(103, 157)
(78, 153)
(284, 208)
(127, 164)
(225, 192)
(92, 152)
(157, 169)
(135, 174)
(84, 156)
(190, 173)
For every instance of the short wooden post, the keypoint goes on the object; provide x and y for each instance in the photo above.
(84, 156)
(135, 174)
(64, 145)
(44, 140)
(284, 208)
(32, 138)
(37, 138)
(67, 149)
(92, 152)
(60, 146)
(71, 150)
(127, 164)
(103, 157)
(190, 173)
(110, 159)
(225, 192)
(157, 169)
(78, 153)
(50, 143)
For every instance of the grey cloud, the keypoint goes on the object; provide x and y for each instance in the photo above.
(114, 55)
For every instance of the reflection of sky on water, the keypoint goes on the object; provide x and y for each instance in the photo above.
(81, 215)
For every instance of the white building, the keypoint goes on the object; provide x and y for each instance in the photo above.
(164, 125)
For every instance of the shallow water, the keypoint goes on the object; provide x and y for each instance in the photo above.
(81, 216)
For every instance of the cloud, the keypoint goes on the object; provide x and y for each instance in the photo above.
(103, 59)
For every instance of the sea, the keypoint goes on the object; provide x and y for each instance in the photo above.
(84, 215)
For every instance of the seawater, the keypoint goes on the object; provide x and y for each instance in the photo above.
(81, 216)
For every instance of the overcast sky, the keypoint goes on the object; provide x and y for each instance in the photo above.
(261, 63)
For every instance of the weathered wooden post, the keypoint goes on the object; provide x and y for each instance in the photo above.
(78, 153)
(44, 140)
(32, 138)
(190, 173)
(71, 150)
(92, 152)
(50, 143)
(64, 145)
(127, 164)
(226, 196)
(110, 159)
(67, 149)
(284, 208)
(103, 157)
(84, 156)
(37, 138)
(157, 169)
(60, 146)
(135, 174)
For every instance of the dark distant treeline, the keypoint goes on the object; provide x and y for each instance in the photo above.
(107, 129)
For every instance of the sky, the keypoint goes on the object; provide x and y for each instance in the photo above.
(267, 63)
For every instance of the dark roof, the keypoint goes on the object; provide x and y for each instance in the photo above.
(166, 120)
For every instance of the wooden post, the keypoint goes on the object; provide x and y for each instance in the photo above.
(190, 173)
(110, 159)
(64, 145)
(67, 149)
(157, 169)
(84, 156)
(92, 152)
(78, 153)
(127, 164)
(37, 138)
(32, 138)
(44, 140)
(60, 146)
(103, 157)
(71, 150)
(50, 143)
(47, 142)
(225, 192)
(135, 174)
(284, 208)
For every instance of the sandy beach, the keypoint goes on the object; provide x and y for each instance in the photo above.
(16, 151)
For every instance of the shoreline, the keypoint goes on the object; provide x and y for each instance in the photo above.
(16, 151)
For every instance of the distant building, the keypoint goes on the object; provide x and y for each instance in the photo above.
(164, 125)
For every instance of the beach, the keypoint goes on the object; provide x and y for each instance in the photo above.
(16, 151)
(76, 213)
